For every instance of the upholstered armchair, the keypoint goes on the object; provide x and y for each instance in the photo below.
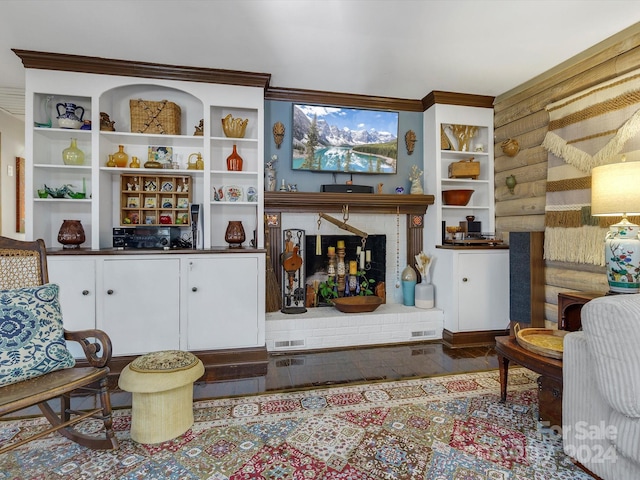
(601, 388)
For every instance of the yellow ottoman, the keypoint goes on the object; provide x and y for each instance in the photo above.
(162, 388)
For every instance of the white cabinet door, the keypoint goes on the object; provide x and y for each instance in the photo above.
(222, 302)
(483, 291)
(141, 304)
(76, 277)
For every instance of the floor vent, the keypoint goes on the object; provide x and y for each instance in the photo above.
(289, 343)
(423, 333)
(290, 362)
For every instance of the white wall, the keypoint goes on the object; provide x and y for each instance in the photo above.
(12, 146)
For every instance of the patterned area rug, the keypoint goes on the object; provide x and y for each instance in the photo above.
(450, 427)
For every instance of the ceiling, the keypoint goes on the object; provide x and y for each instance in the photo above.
(390, 48)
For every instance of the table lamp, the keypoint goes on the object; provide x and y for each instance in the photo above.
(615, 191)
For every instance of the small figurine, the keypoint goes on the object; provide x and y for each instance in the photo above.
(380, 187)
(129, 186)
(415, 176)
(271, 174)
(105, 123)
(199, 129)
(292, 187)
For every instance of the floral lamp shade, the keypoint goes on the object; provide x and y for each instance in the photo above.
(615, 192)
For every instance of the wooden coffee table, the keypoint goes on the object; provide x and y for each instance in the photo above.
(549, 382)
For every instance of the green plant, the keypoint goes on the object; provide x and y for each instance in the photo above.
(365, 283)
(327, 290)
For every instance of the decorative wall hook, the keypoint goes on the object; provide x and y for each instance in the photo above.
(410, 140)
(278, 133)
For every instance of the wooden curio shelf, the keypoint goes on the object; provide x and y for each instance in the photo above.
(358, 202)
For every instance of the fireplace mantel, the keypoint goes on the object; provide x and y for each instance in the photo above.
(374, 203)
(277, 203)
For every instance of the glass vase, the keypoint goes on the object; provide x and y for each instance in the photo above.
(72, 155)
(234, 161)
(120, 157)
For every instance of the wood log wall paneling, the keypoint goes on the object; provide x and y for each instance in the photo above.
(521, 114)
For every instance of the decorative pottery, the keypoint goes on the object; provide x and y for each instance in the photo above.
(456, 197)
(72, 155)
(622, 257)
(197, 164)
(271, 182)
(234, 127)
(120, 157)
(234, 161)
(424, 294)
(71, 234)
(234, 234)
(67, 117)
(409, 279)
(510, 181)
(510, 147)
(135, 163)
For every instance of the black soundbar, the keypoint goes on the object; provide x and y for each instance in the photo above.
(339, 188)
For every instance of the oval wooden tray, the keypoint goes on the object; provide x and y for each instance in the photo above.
(357, 304)
(543, 341)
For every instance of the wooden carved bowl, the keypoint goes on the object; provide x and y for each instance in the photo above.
(357, 304)
(456, 197)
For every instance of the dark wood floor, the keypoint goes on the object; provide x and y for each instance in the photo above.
(290, 371)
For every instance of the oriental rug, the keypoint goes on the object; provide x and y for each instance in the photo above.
(594, 127)
(441, 428)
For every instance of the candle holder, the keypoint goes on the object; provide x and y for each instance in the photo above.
(341, 271)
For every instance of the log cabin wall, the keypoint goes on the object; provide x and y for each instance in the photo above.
(520, 114)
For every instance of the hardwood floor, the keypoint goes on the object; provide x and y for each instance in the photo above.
(290, 371)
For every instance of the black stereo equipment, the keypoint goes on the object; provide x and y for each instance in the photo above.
(339, 188)
(146, 237)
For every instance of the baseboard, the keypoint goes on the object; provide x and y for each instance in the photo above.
(219, 364)
(471, 339)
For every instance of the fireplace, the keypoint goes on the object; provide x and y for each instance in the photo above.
(370, 257)
(397, 219)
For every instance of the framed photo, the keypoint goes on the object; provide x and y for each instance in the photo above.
(163, 155)
(358, 140)
(183, 203)
(150, 202)
(133, 202)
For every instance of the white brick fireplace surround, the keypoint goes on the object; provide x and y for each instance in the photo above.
(326, 327)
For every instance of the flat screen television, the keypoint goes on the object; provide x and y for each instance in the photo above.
(344, 140)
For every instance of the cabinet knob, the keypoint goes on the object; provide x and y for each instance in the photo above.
(109, 292)
(194, 289)
(465, 279)
(85, 292)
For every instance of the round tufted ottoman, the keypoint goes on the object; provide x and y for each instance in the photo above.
(161, 384)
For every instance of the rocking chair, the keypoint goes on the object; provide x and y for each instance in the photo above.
(24, 264)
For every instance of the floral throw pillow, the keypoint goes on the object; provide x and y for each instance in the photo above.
(31, 333)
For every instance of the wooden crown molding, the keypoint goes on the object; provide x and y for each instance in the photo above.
(452, 98)
(342, 99)
(108, 66)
